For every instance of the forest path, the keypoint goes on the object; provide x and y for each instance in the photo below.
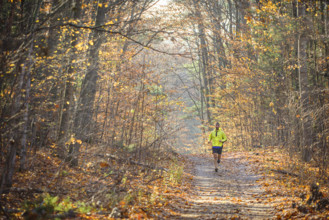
(231, 193)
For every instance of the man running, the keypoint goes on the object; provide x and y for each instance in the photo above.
(217, 137)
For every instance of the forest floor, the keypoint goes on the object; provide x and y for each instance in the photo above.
(259, 184)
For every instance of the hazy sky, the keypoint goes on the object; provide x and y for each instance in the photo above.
(163, 2)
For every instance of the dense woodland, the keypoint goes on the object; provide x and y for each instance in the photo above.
(112, 76)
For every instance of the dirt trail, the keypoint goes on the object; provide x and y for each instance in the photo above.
(231, 193)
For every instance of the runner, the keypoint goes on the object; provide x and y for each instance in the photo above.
(217, 137)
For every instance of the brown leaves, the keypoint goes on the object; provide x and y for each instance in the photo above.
(138, 193)
(104, 164)
(285, 192)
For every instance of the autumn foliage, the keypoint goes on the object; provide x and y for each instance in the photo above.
(100, 98)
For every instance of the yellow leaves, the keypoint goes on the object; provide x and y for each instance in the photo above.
(53, 146)
(248, 18)
(105, 5)
(245, 59)
(79, 46)
(50, 77)
(292, 67)
(73, 140)
(269, 7)
(274, 111)
(91, 42)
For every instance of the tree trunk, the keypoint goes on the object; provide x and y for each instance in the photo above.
(28, 64)
(230, 16)
(8, 172)
(84, 116)
(204, 58)
(26, 111)
(237, 18)
(64, 133)
(304, 88)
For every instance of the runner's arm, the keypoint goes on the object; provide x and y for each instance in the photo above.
(210, 138)
(224, 137)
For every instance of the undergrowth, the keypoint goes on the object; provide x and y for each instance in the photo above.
(102, 185)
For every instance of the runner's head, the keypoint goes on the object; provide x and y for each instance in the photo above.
(217, 126)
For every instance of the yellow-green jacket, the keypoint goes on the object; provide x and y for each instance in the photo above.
(217, 140)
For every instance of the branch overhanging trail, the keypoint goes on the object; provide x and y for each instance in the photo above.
(101, 29)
